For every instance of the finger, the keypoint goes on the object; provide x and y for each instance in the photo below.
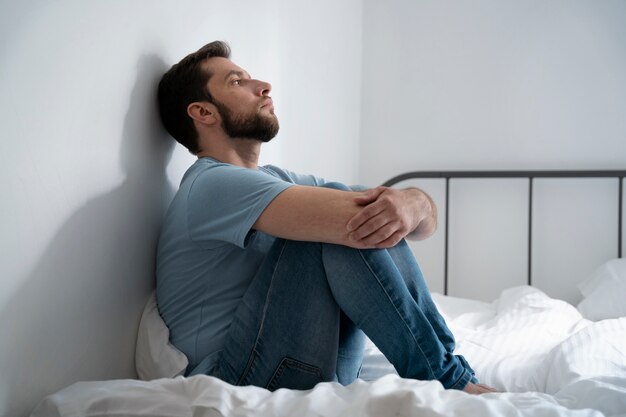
(382, 204)
(369, 227)
(388, 235)
(369, 196)
(364, 215)
(380, 235)
(391, 241)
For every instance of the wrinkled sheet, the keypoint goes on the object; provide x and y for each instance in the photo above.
(550, 360)
(204, 396)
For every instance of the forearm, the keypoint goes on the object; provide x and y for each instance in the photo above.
(376, 218)
(314, 214)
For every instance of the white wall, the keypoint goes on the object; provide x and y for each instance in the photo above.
(500, 85)
(87, 170)
(490, 83)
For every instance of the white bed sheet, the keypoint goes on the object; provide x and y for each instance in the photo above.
(550, 360)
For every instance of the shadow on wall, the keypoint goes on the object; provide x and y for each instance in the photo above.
(76, 316)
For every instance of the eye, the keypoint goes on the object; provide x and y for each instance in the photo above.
(236, 81)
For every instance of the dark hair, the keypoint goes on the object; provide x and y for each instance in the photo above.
(183, 84)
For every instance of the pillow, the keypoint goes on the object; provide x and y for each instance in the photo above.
(155, 356)
(604, 292)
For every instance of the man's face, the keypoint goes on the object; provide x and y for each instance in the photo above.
(244, 104)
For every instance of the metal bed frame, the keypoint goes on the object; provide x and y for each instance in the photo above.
(530, 175)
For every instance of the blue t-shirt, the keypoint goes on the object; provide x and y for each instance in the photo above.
(208, 253)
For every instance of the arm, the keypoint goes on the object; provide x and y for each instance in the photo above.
(319, 214)
(315, 214)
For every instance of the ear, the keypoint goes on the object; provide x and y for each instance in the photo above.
(202, 112)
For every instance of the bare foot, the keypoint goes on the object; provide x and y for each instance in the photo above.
(477, 389)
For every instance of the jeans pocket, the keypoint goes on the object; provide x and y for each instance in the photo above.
(294, 374)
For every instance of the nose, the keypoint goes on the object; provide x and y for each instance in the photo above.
(263, 88)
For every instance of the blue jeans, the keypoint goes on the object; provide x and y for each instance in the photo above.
(302, 319)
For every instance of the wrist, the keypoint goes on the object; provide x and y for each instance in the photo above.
(425, 215)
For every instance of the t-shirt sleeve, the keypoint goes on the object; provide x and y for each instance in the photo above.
(225, 201)
(307, 179)
(300, 179)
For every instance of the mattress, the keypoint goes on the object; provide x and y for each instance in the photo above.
(540, 352)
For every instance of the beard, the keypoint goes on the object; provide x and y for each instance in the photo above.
(247, 126)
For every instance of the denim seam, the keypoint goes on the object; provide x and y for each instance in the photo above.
(396, 309)
(265, 307)
(465, 377)
(253, 355)
(287, 362)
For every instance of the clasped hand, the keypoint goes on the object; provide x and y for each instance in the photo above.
(388, 215)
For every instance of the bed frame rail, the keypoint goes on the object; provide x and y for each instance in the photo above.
(530, 175)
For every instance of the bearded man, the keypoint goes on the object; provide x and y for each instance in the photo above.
(270, 278)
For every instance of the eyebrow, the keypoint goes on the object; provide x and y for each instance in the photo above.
(241, 74)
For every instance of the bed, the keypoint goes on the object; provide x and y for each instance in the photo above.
(549, 357)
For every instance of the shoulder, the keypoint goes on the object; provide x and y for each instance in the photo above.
(278, 172)
(212, 178)
(212, 172)
(293, 177)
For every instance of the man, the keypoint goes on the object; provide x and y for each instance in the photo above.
(269, 278)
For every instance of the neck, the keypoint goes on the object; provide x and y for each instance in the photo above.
(240, 152)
